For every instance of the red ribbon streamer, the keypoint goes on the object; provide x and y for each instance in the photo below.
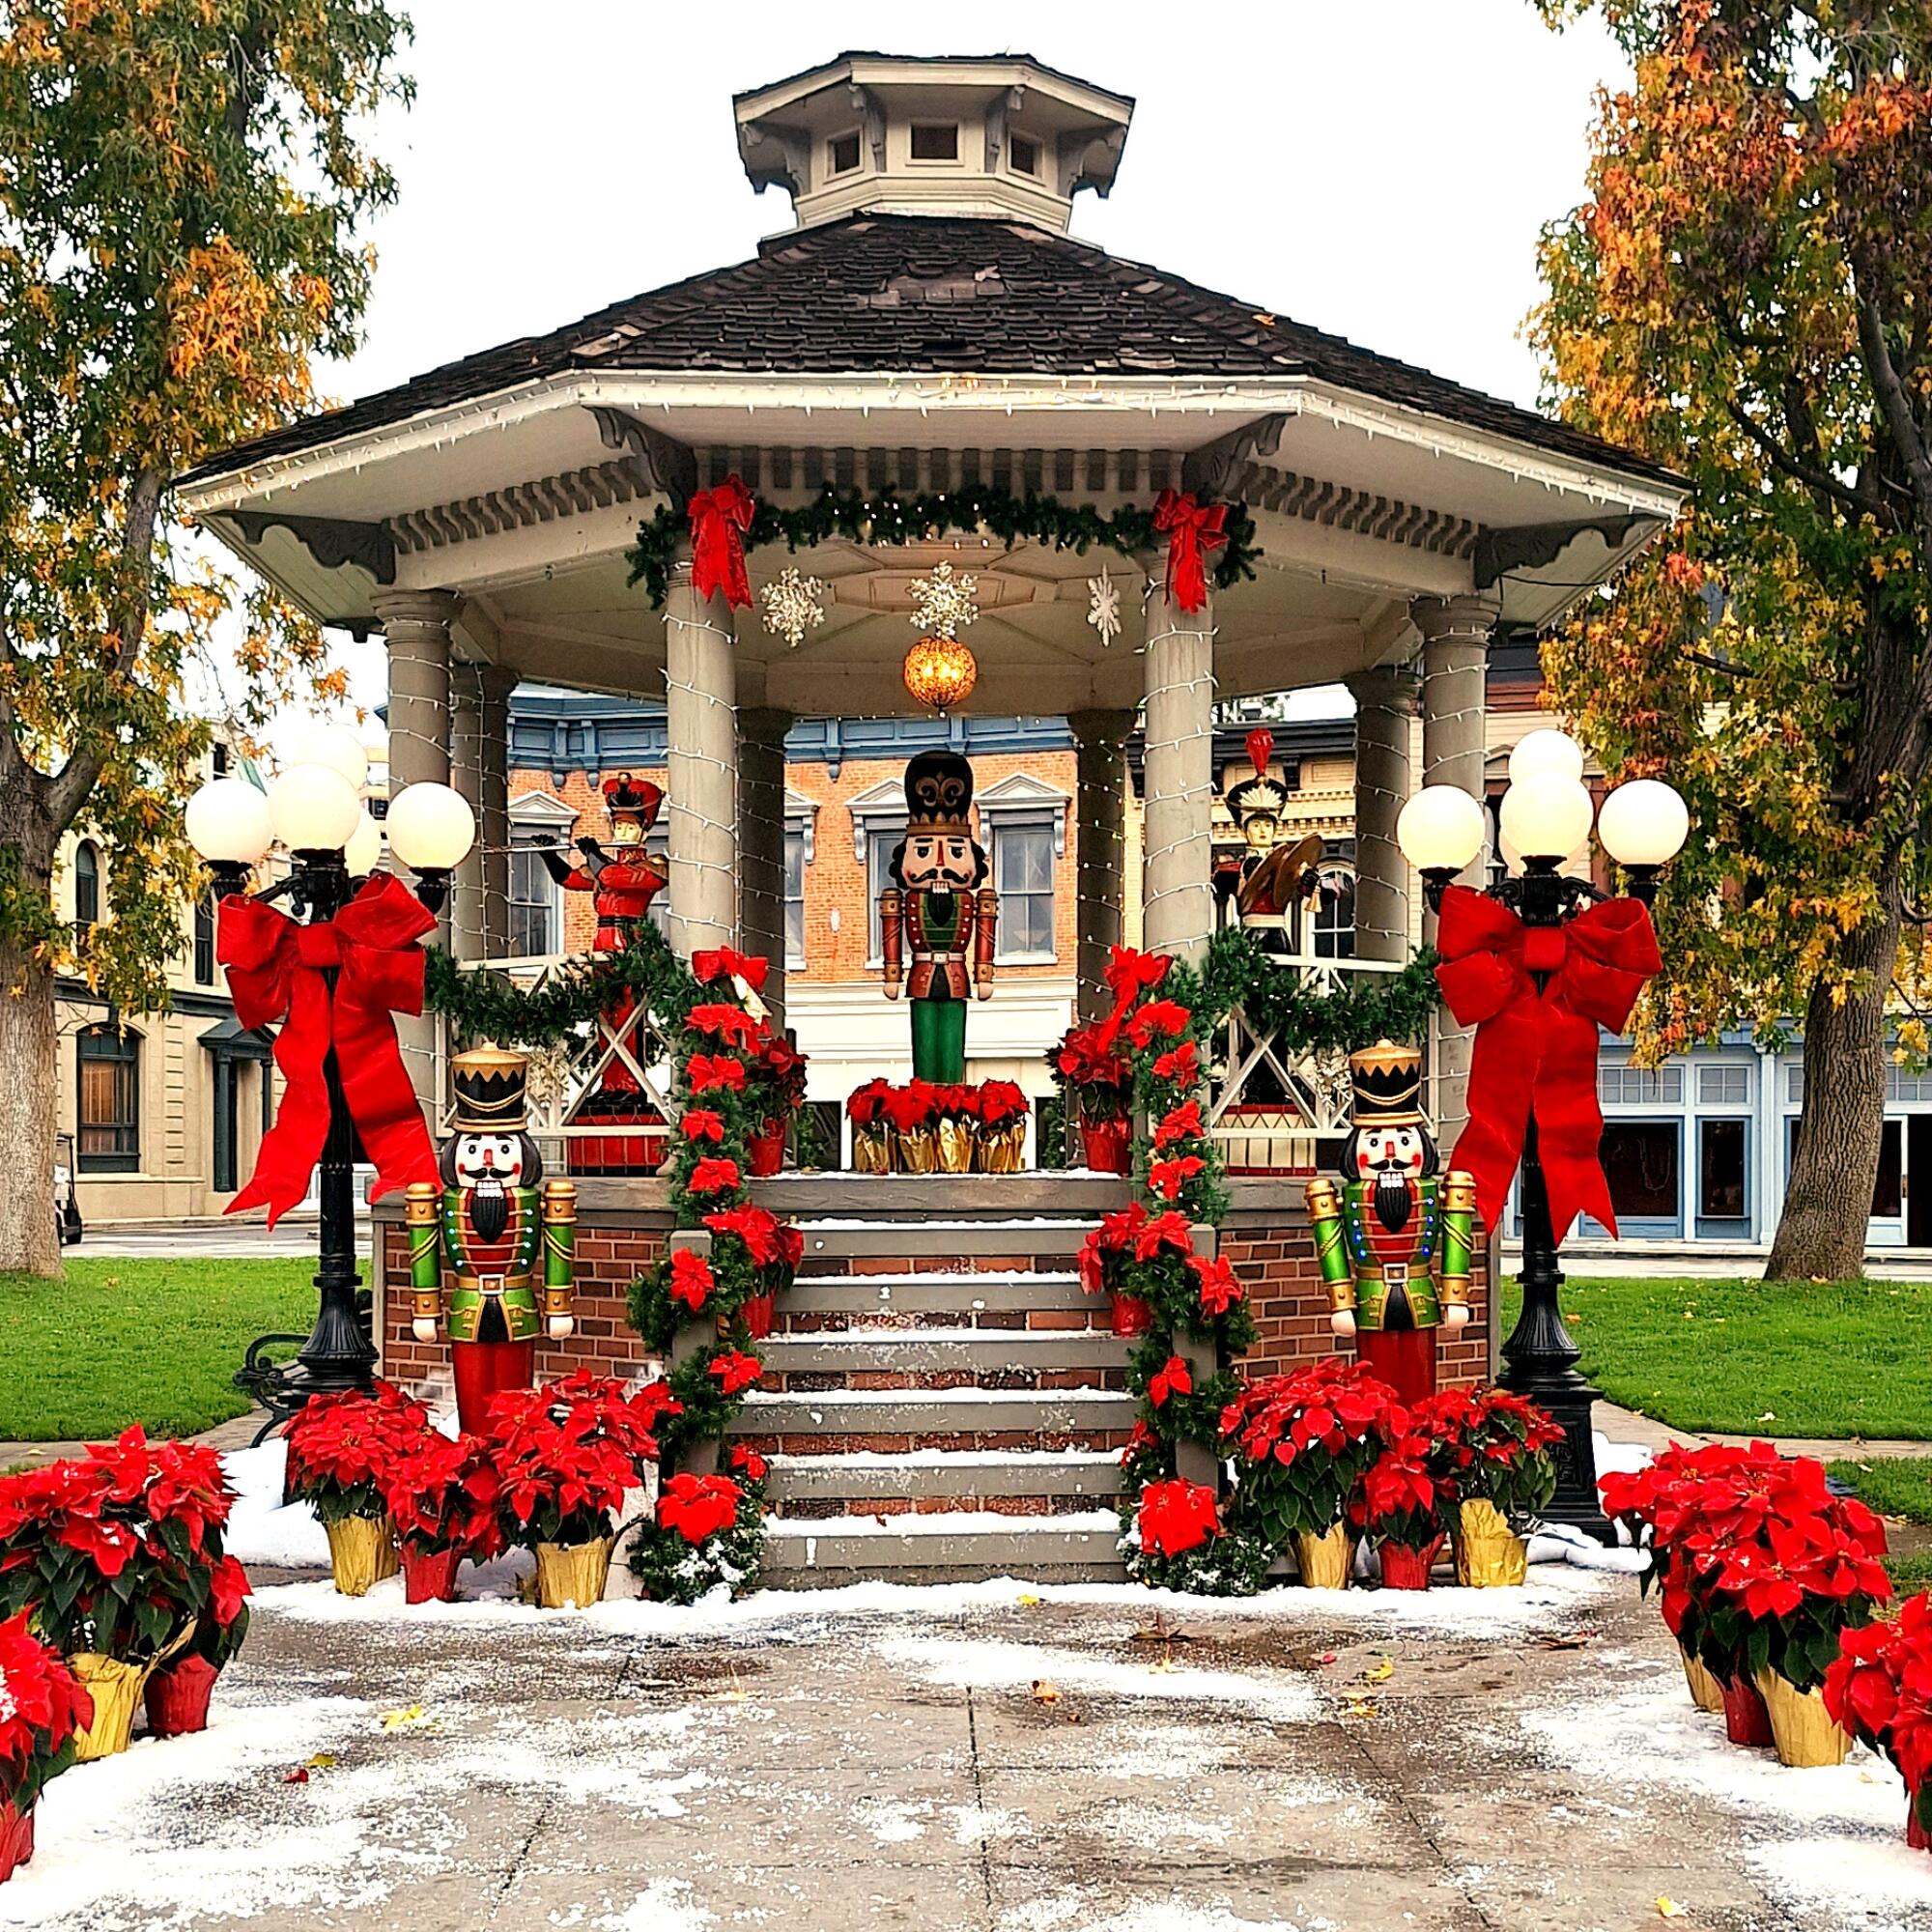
(1192, 529)
(276, 974)
(1537, 1051)
(719, 521)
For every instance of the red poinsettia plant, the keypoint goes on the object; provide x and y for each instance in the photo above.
(441, 1491)
(705, 1536)
(1175, 1540)
(1304, 1442)
(1402, 1498)
(1491, 1445)
(1879, 1687)
(913, 1106)
(566, 1454)
(1002, 1102)
(342, 1448)
(1092, 1061)
(42, 1708)
(865, 1106)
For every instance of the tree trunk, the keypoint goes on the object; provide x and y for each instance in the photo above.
(29, 1112)
(1821, 1234)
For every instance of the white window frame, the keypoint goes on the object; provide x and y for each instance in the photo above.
(530, 813)
(802, 824)
(1022, 803)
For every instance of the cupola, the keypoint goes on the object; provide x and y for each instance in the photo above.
(995, 135)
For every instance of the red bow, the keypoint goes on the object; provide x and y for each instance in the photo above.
(1192, 530)
(719, 521)
(275, 973)
(1537, 1051)
(725, 962)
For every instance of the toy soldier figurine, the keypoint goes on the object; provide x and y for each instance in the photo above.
(1391, 1225)
(499, 1237)
(1271, 880)
(939, 911)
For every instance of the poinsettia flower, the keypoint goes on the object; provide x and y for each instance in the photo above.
(713, 963)
(757, 1227)
(1165, 1017)
(1169, 1230)
(701, 1124)
(698, 1507)
(713, 1176)
(724, 1022)
(1179, 1123)
(1176, 1516)
(692, 1281)
(734, 1371)
(1181, 1066)
(748, 1462)
(710, 1073)
(1176, 1379)
(1218, 1285)
(1167, 1178)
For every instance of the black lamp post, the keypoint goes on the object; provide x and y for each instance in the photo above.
(1642, 825)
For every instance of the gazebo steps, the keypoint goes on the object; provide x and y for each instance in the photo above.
(1021, 1243)
(854, 1300)
(944, 1357)
(896, 1421)
(1016, 1482)
(943, 1547)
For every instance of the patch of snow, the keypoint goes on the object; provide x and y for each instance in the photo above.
(665, 1905)
(976, 1824)
(260, 1529)
(942, 1522)
(1889, 1884)
(892, 1820)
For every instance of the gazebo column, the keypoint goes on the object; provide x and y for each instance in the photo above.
(415, 629)
(762, 838)
(1384, 708)
(1455, 651)
(466, 774)
(1177, 910)
(494, 686)
(1100, 844)
(701, 716)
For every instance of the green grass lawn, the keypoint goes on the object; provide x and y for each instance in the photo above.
(153, 1342)
(1774, 1358)
(1898, 1486)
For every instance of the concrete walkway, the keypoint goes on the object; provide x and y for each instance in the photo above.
(1625, 1425)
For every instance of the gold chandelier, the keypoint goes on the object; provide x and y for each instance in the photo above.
(941, 672)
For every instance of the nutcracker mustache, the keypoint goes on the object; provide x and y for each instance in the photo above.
(1395, 1197)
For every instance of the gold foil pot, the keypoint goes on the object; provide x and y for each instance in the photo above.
(116, 1687)
(1489, 1555)
(918, 1152)
(1706, 1692)
(572, 1575)
(1803, 1733)
(1003, 1150)
(362, 1551)
(956, 1147)
(1325, 1560)
(871, 1150)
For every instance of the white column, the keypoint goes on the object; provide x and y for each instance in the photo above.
(1178, 915)
(1455, 650)
(1384, 704)
(700, 707)
(494, 686)
(416, 628)
(1099, 846)
(761, 840)
(466, 774)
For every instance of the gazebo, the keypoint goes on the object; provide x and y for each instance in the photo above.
(927, 329)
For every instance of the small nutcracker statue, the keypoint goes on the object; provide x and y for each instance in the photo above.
(939, 911)
(1391, 1224)
(1270, 882)
(497, 1237)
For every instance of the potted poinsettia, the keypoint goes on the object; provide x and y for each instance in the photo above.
(706, 1534)
(777, 1093)
(1002, 1128)
(1106, 1257)
(1498, 1452)
(1092, 1062)
(442, 1494)
(43, 1711)
(955, 1123)
(914, 1115)
(771, 1252)
(1302, 1442)
(1879, 1690)
(564, 1457)
(1401, 1508)
(1175, 1539)
(871, 1127)
(341, 1451)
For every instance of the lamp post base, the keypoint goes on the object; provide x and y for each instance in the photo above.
(1567, 1398)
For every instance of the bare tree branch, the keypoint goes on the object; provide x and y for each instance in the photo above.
(1897, 406)
(1811, 475)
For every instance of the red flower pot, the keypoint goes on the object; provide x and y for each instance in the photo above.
(17, 1838)
(1132, 1316)
(1104, 1145)
(758, 1311)
(1405, 1568)
(766, 1152)
(1916, 1834)
(1746, 1720)
(178, 1697)
(430, 1577)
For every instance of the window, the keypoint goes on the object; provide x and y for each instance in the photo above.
(1332, 918)
(86, 886)
(1023, 151)
(536, 899)
(1888, 1189)
(1023, 877)
(842, 153)
(795, 863)
(203, 940)
(109, 1082)
(1723, 1085)
(1640, 1086)
(1720, 1170)
(935, 141)
(880, 843)
(1640, 1162)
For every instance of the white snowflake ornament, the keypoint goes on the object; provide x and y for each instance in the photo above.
(793, 605)
(1103, 606)
(944, 601)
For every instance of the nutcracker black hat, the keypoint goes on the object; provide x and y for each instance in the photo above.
(631, 798)
(938, 793)
(1387, 1080)
(491, 1091)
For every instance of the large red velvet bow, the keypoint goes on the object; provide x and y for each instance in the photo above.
(1537, 1051)
(276, 974)
(1192, 530)
(719, 521)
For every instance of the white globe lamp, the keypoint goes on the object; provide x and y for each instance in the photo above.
(227, 822)
(1539, 752)
(316, 742)
(431, 830)
(1547, 817)
(1643, 823)
(364, 851)
(1440, 829)
(313, 808)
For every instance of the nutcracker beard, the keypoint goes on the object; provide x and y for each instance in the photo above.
(1394, 1196)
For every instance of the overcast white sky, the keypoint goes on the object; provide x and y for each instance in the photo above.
(1379, 168)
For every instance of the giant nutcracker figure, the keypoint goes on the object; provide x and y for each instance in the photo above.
(494, 1247)
(940, 912)
(1271, 881)
(1393, 1242)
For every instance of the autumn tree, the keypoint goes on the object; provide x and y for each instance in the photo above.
(1746, 295)
(181, 182)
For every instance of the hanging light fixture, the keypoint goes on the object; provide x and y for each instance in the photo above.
(941, 672)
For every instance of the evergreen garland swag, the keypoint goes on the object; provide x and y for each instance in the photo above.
(1279, 1005)
(983, 510)
(484, 1005)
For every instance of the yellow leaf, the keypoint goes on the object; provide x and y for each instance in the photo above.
(409, 1713)
(1027, 1600)
(1380, 1671)
(322, 1761)
(1668, 1907)
(1044, 1692)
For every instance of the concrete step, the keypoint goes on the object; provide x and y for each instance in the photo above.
(950, 1292)
(1024, 1238)
(1014, 1481)
(949, 1546)
(897, 1421)
(972, 1357)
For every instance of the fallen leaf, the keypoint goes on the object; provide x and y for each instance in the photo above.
(1380, 1671)
(1027, 1600)
(322, 1761)
(397, 1721)
(1326, 1657)
(1668, 1907)
(1361, 1707)
(299, 1776)
(1265, 320)
(1160, 1631)
(1571, 1640)
(1044, 1692)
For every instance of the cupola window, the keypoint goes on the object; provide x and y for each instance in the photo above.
(842, 153)
(1024, 152)
(935, 141)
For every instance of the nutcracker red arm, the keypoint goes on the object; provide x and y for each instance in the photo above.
(985, 930)
(891, 931)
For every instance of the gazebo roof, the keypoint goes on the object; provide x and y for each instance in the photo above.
(936, 296)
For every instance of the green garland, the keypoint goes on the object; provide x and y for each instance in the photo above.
(979, 509)
(1278, 1005)
(485, 1004)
